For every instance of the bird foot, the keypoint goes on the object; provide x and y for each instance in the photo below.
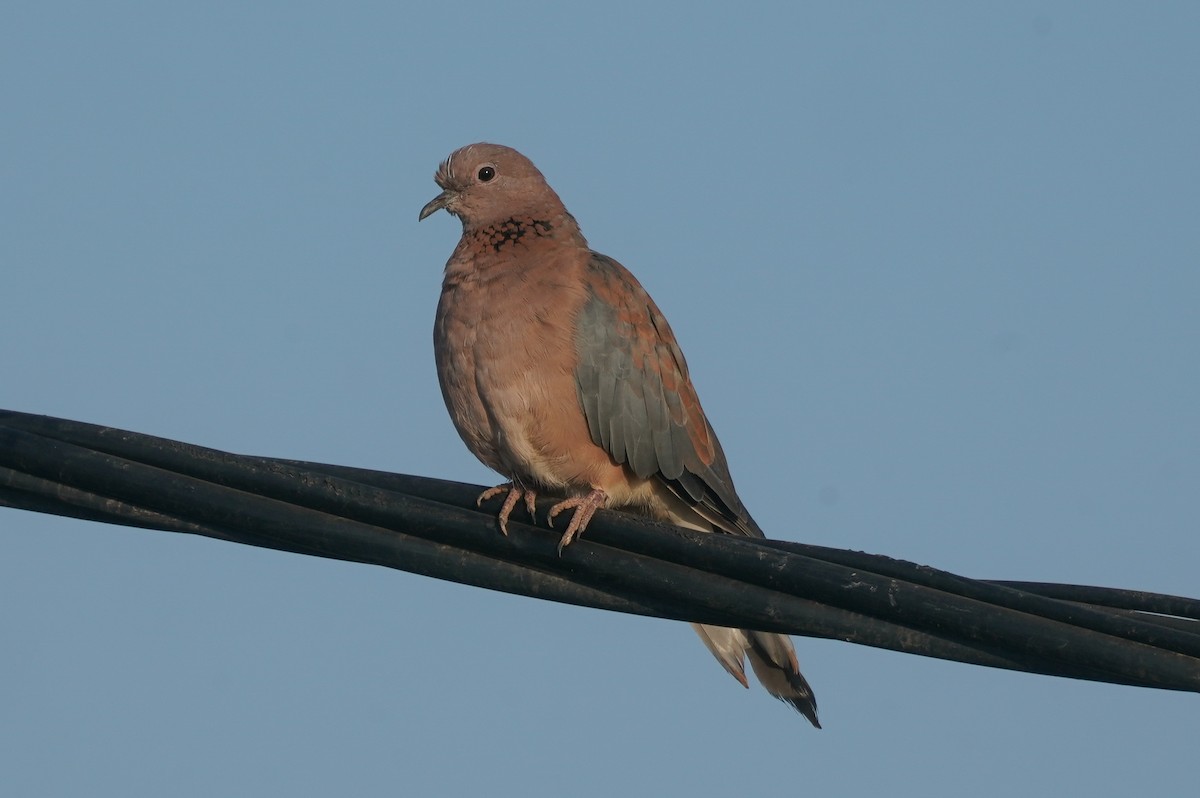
(585, 507)
(514, 495)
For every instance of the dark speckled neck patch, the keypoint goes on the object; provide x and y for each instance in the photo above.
(512, 230)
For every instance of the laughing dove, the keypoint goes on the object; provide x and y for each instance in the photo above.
(561, 374)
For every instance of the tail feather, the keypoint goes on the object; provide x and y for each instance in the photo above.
(772, 658)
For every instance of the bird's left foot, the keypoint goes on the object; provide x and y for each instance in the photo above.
(585, 507)
(514, 495)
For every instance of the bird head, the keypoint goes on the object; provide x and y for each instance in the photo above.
(484, 184)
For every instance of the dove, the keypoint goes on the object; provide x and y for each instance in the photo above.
(561, 374)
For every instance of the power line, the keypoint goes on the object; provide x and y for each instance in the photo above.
(624, 563)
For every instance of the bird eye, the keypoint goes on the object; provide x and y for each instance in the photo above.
(486, 174)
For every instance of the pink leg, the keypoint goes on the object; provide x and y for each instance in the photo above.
(510, 501)
(585, 508)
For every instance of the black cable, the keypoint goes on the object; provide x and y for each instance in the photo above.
(624, 563)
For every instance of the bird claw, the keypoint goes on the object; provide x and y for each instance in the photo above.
(510, 501)
(585, 507)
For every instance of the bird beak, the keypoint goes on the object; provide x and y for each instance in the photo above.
(436, 204)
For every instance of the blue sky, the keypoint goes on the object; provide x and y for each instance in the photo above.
(935, 268)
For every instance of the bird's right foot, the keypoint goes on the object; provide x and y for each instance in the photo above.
(510, 502)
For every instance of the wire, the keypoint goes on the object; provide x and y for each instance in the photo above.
(624, 563)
